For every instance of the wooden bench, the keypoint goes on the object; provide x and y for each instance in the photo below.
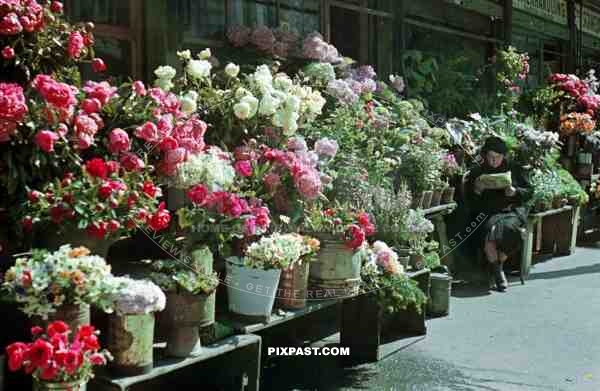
(233, 363)
(370, 336)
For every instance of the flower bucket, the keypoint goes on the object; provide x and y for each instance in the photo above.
(448, 195)
(427, 196)
(131, 341)
(293, 286)
(417, 201)
(51, 239)
(251, 292)
(74, 315)
(417, 261)
(440, 292)
(436, 197)
(335, 273)
(184, 315)
(39, 385)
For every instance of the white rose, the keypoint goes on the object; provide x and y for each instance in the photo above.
(185, 55)
(316, 102)
(263, 78)
(165, 72)
(198, 69)
(189, 103)
(283, 82)
(241, 92)
(241, 110)
(232, 70)
(252, 103)
(205, 54)
(268, 105)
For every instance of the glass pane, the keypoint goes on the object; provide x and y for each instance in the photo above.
(115, 53)
(252, 12)
(301, 16)
(198, 18)
(345, 32)
(113, 12)
(382, 5)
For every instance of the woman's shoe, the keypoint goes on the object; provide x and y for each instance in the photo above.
(501, 282)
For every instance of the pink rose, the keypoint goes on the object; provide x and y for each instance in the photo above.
(131, 162)
(139, 88)
(118, 141)
(45, 140)
(147, 132)
(75, 45)
(13, 109)
(10, 24)
(90, 106)
(56, 7)
(243, 168)
(85, 124)
(250, 226)
(102, 91)
(98, 65)
(8, 53)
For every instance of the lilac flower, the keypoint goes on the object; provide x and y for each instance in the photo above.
(368, 85)
(263, 38)
(326, 147)
(340, 89)
(315, 48)
(297, 144)
(239, 35)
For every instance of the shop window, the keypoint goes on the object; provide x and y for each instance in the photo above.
(300, 15)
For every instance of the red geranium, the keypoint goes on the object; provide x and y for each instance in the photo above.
(355, 236)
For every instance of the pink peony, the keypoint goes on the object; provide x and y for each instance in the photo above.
(102, 91)
(75, 45)
(45, 140)
(118, 141)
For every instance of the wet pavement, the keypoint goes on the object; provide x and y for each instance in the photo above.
(543, 336)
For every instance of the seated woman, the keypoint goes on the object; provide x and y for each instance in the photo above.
(501, 200)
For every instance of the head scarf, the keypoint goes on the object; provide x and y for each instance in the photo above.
(495, 144)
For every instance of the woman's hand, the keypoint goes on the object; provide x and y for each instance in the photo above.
(510, 191)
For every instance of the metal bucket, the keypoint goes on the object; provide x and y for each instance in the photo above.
(440, 291)
(39, 385)
(293, 286)
(336, 272)
(184, 315)
(131, 341)
(251, 292)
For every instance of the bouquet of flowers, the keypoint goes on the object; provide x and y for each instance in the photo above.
(45, 281)
(138, 297)
(382, 274)
(574, 123)
(105, 199)
(280, 251)
(581, 94)
(353, 227)
(56, 356)
(536, 145)
(188, 274)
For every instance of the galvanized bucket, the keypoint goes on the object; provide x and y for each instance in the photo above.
(336, 272)
(184, 315)
(251, 292)
(39, 385)
(440, 291)
(293, 286)
(130, 341)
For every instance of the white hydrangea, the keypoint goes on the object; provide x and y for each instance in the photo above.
(246, 108)
(263, 78)
(205, 54)
(164, 84)
(185, 55)
(198, 69)
(268, 105)
(208, 168)
(315, 102)
(241, 92)
(165, 72)
(283, 82)
(232, 70)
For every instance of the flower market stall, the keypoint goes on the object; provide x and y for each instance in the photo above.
(223, 198)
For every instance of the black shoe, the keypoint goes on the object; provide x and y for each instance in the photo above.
(501, 282)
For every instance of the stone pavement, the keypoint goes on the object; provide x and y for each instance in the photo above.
(542, 336)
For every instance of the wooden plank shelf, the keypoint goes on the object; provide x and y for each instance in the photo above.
(240, 353)
(440, 209)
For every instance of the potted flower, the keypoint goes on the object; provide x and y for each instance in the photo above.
(131, 326)
(190, 285)
(252, 281)
(341, 231)
(450, 169)
(58, 359)
(293, 284)
(100, 203)
(418, 228)
(61, 285)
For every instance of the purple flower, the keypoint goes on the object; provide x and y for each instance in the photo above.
(326, 147)
(263, 38)
(238, 35)
(315, 48)
(297, 144)
(368, 85)
(340, 89)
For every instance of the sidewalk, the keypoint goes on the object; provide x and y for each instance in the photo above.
(544, 335)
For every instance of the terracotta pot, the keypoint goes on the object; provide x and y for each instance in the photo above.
(293, 286)
(131, 342)
(448, 195)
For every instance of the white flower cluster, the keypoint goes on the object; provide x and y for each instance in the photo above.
(164, 77)
(286, 103)
(137, 297)
(212, 168)
(277, 251)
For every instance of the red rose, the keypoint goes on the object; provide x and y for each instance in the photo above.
(85, 331)
(35, 330)
(34, 196)
(97, 230)
(363, 219)
(105, 190)
(97, 168)
(17, 352)
(369, 229)
(27, 223)
(10, 24)
(56, 7)
(150, 189)
(198, 194)
(50, 371)
(112, 167)
(159, 220)
(131, 162)
(40, 352)
(75, 45)
(97, 359)
(73, 360)
(57, 327)
(45, 140)
(98, 65)
(355, 236)
(8, 53)
(118, 141)
(243, 168)
(88, 39)
(57, 214)
(113, 226)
